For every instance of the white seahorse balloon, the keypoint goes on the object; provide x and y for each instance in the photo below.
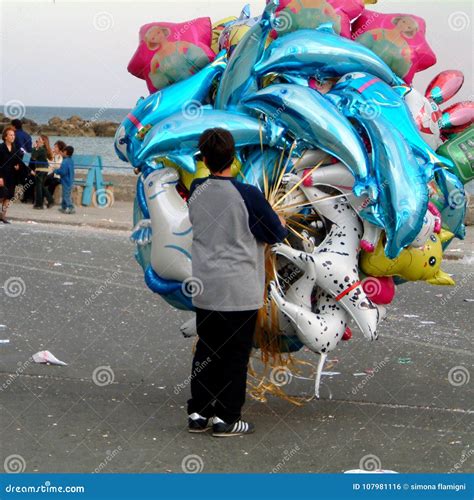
(171, 236)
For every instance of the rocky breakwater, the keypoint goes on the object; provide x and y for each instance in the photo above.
(75, 126)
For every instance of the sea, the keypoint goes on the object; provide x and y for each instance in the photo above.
(101, 146)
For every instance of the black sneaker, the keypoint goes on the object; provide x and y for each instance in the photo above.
(239, 428)
(198, 423)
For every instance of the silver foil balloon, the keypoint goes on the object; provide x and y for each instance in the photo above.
(187, 95)
(403, 192)
(323, 54)
(313, 119)
(239, 78)
(177, 137)
(366, 98)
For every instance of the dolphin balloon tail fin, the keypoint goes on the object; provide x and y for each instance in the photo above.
(245, 12)
(296, 80)
(402, 90)
(186, 162)
(433, 159)
(442, 160)
(327, 28)
(368, 187)
(220, 60)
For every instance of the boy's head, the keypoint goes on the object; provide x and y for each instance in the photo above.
(17, 124)
(217, 147)
(68, 151)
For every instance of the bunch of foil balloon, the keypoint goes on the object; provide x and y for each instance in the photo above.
(367, 171)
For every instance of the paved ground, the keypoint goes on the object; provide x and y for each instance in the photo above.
(117, 217)
(413, 414)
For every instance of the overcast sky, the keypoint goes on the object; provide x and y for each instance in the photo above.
(75, 53)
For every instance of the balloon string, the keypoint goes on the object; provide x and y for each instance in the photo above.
(297, 185)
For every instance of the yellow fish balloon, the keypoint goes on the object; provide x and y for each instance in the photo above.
(413, 264)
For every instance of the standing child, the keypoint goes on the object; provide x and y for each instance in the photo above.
(66, 172)
(231, 222)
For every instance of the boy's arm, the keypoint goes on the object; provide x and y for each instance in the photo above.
(60, 170)
(263, 220)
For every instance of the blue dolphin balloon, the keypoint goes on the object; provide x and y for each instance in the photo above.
(455, 203)
(366, 98)
(186, 95)
(177, 137)
(238, 78)
(312, 118)
(403, 193)
(323, 54)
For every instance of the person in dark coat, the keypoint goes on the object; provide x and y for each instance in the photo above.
(22, 139)
(24, 145)
(10, 165)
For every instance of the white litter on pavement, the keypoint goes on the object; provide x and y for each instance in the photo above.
(47, 357)
(379, 471)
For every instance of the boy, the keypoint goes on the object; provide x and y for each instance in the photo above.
(231, 223)
(66, 172)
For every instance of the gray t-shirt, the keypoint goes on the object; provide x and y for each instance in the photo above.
(231, 223)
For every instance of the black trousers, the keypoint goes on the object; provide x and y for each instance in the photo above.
(41, 191)
(219, 371)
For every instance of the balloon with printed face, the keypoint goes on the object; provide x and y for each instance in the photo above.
(293, 15)
(168, 53)
(233, 33)
(412, 264)
(217, 29)
(399, 39)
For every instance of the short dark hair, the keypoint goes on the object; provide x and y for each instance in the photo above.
(61, 145)
(69, 150)
(217, 146)
(17, 123)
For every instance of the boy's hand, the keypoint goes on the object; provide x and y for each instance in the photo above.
(1, 182)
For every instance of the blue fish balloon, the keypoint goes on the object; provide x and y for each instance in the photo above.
(187, 95)
(455, 203)
(403, 193)
(323, 54)
(239, 78)
(177, 137)
(312, 118)
(366, 98)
